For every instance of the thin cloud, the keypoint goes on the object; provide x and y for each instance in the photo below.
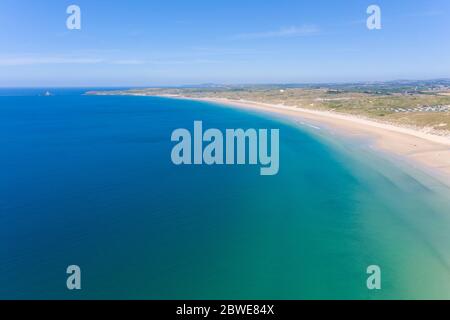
(129, 62)
(358, 22)
(184, 62)
(429, 13)
(23, 61)
(288, 32)
(30, 59)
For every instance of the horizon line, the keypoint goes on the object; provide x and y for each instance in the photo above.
(230, 84)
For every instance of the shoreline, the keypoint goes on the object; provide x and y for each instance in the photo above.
(426, 152)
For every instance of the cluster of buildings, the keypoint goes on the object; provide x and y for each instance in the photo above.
(437, 108)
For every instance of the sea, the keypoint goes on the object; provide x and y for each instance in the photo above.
(88, 181)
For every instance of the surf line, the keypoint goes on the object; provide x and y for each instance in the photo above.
(212, 147)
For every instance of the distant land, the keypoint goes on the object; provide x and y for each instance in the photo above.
(419, 104)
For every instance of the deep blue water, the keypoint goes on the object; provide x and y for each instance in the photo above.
(88, 180)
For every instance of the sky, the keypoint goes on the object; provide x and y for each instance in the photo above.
(182, 42)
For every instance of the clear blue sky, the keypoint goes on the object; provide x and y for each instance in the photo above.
(170, 42)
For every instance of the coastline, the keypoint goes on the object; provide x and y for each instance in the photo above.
(429, 153)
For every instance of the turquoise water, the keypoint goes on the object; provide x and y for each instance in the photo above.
(89, 181)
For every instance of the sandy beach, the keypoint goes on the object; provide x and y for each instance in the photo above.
(427, 152)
